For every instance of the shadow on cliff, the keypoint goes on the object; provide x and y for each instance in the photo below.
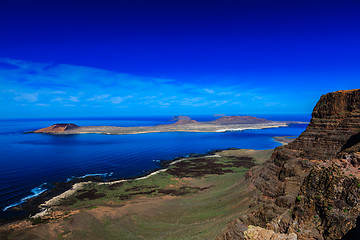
(353, 140)
(353, 234)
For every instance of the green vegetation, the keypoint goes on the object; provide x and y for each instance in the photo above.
(298, 198)
(166, 206)
(36, 221)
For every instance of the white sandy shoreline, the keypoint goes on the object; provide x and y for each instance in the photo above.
(46, 206)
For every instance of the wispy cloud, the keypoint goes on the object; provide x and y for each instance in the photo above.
(42, 104)
(73, 99)
(117, 100)
(209, 90)
(27, 97)
(63, 85)
(99, 97)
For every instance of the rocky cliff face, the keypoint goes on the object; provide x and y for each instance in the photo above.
(311, 187)
(57, 128)
(334, 127)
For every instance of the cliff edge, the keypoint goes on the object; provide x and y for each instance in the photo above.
(333, 128)
(310, 187)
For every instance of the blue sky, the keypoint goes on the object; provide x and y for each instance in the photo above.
(118, 58)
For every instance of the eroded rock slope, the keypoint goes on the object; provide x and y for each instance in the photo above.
(311, 187)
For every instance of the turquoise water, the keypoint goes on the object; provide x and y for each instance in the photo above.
(30, 163)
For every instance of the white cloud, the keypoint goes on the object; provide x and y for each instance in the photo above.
(257, 98)
(116, 100)
(226, 93)
(209, 90)
(61, 83)
(58, 99)
(42, 104)
(28, 97)
(73, 99)
(63, 99)
(99, 97)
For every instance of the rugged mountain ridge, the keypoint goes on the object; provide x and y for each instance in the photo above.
(240, 120)
(311, 187)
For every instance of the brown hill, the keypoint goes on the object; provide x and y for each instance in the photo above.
(311, 187)
(185, 121)
(240, 120)
(57, 128)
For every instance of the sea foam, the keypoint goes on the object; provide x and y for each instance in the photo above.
(35, 192)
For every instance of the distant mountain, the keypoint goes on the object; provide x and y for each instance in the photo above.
(240, 120)
(177, 118)
(185, 121)
(181, 120)
(57, 128)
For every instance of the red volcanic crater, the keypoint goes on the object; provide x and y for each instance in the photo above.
(57, 128)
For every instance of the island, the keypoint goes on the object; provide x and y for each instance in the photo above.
(181, 124)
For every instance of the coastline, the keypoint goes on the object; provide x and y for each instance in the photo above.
(284, 140)
(159, 192)
(191, 127)
(40, 205)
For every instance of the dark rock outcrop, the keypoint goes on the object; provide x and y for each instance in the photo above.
(57, 128)
(240, 120)
(311, 187)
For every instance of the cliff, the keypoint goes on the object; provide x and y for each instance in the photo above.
(57, 128)
(310, 187)
(334, 127)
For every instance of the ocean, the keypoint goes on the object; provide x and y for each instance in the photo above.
(31, 163)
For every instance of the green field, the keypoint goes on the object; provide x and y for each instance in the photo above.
(194, 199)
